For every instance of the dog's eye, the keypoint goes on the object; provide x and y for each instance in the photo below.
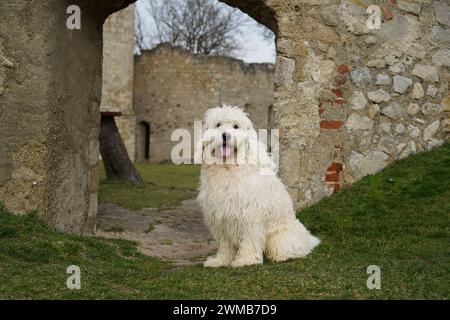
(218, 125)
(236, 126)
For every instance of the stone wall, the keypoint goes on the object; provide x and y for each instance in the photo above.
(350, 100)
(173, 88)
(50, 86)
(118, 67)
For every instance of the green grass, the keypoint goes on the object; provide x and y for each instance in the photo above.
(398, 220)
(164, 186)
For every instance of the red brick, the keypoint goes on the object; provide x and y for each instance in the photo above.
(340, 79)
(343, 68)
(387, 13)
(331, 124)
(339, 101)
(335, 167)
(332, 177)
(338, 93)
(321, 110)
(337, 187)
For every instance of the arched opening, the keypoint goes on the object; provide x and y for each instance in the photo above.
(143, 141)
(173, 85)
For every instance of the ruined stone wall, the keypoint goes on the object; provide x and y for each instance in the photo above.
(350, 100)
(50, 80)
(173, 88)
(118, 67)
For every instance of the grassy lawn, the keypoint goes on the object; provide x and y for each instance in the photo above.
(398, 220)
(164, 185)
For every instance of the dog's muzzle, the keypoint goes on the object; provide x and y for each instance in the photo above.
(226, 149)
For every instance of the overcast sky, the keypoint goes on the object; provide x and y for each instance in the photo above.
(255, 47)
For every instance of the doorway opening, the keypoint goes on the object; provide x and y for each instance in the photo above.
(143, 141)
(161, 83)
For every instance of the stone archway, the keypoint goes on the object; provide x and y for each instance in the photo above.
(327, 60)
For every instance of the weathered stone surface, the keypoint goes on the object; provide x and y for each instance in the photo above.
(413, 109)
(330, 15)
(419, 121)
(401, 84)
(353, 18)
(385, 127)
(370, 40)
(410, 148)
(417, 51)
(361, 77)
(408, 6)
(284, 72)
(441, 35)
(432, 91)
(387, 144)
(358, 101)
(393, 110)
(433, 143)
(426, 72)
(400, 32)
(442, 12)
(397, 68)
(376, 63)
(357, 122)
(442, 58)
(374, 110)
(400, 129)
(413, 131)
(431, 109)
(382, 79)
(417, 92)
(431, 130)
(379, 96)
(325, 71)
(445, 103)
(370, 162)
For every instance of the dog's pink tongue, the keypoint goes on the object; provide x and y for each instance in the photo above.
(226, 151)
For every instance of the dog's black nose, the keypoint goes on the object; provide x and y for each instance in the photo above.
(226, 136)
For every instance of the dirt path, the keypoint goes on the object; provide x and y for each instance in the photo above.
(175, 234)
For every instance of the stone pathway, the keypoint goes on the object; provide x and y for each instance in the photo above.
(175, 234)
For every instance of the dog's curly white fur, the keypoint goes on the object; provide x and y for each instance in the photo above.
(249, 213)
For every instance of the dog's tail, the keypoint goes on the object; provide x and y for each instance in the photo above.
(314, 241)
(290, 240)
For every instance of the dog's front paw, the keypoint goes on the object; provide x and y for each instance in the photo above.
(215, 262)
(241, 262)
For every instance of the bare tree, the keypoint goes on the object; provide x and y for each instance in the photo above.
(201, 26)
(139, 31)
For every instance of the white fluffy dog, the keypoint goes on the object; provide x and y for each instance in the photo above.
(245, 205)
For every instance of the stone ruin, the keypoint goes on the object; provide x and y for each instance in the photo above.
(168, 87)
(348, 100)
